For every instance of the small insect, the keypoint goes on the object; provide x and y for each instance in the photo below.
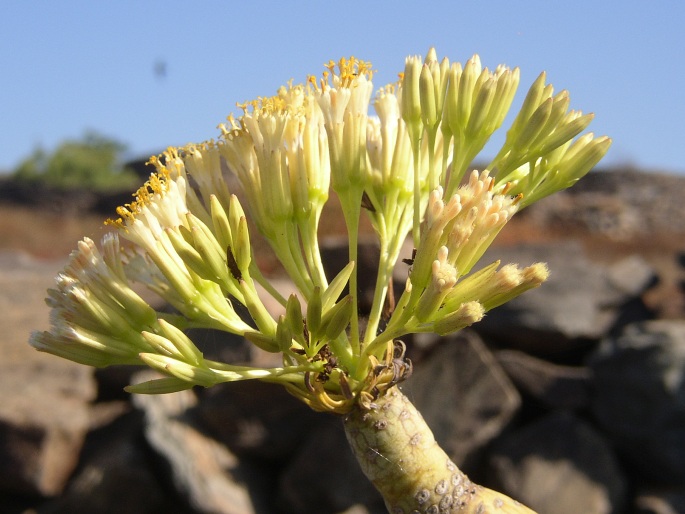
(367, 203)
(410, 262)
(232, 264)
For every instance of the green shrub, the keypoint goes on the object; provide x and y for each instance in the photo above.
(92, 163)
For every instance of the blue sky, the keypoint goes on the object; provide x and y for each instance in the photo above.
(67, 67)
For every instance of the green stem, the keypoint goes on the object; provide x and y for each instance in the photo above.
(398, 453)
(432, 181)
(295, 250)
(379, 295)
(310, 243)
(352, 221)
(388, 257)
(417, 193)
(295, 269)
(350, 199)
(258, 277)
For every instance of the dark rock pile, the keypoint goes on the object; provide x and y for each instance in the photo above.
(619, 204)
(570, 398)
(72, 201)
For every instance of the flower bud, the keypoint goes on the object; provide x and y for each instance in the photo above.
(337, 318)
(467, 85)
(574, 125)
(194, 374)
(443, 278)
(481, 109)
(293, 316)
(242, 249)
(411, 93)
(314, 313)
(451, 104)
(511, 282)
(185, 347)
(164, 385)
(429, 106)
(583, 155)
(536, 95)
(507, 84)
(267, 343)
(534, 125)
(466, 315)
(212, 254)
(222, 228)
(558, 112)
(284, 336)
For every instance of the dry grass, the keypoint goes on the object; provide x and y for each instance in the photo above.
(44, 233)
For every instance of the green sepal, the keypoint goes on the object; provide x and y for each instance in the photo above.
(336, 287)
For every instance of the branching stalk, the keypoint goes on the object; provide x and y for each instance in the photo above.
(189, 243)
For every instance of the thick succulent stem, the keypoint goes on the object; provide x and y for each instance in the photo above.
(398, 453)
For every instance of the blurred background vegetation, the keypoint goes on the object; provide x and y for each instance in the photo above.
(94, 162)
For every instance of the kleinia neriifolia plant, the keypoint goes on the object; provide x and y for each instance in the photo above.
(407, 170)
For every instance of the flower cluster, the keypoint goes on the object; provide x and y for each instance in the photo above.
(187, 236)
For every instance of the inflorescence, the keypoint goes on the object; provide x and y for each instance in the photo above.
(406, 168)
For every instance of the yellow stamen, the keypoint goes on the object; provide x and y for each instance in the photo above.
(156, 184)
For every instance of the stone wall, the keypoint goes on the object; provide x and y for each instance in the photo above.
(570, 399)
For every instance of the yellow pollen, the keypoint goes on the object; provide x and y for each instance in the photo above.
(346, 71)
(507, 187)
(284, 102)
(156, 184)
(232, 128)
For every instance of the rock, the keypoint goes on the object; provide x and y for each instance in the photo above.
(463, 394)
(620, 204)
(559, 465)
(580, 302)
(44, 401)
(360, 509)
(251, 446)
(43, 424)
(629, 278)
(335, 256)
(257, 419)
(639, 380)
(663, 501)
(111, 382)
(596, 213)
(115, 475)
(203, 471)
(552, 385)
(325, 476)
(222, 346)
(680, 259)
